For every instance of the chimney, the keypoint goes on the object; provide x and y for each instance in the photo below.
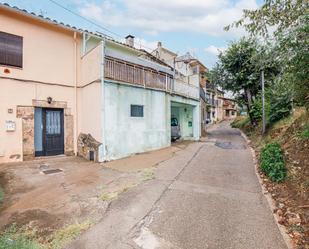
(159, 44)
(130, 40)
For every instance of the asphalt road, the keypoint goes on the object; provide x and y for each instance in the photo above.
(207, 196)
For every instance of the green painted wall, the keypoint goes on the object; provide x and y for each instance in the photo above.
(184, 115)
(187, 110)
(126, 135)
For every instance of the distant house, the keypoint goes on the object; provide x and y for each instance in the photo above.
(229, 108)
(211, 96)
(63, 88)
(219, 105)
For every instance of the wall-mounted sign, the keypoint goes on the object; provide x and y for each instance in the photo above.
(10, 125)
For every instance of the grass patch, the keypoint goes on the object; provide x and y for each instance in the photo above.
(128, 187)
(13, 238)
(272, 162)
(147, 174)
(67, 234)
(108, 196)
(284, 122)
(240, 122)
(1, 195)
(306, 184)
(305, 133)
(111, 195)
(296, 228)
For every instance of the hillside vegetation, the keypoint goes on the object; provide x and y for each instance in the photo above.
(284, 152)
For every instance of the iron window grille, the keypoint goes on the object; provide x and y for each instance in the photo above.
(137, 111)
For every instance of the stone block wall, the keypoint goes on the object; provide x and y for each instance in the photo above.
(86, 145)
(26, 113)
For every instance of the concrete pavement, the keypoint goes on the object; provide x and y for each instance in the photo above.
(206, 196)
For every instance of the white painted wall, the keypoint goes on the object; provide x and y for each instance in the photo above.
(126, 135)
(186, 89)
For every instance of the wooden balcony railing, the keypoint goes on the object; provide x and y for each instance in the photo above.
(127, 72)
(135, 74)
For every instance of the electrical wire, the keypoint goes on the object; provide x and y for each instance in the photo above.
(84, 18)
(93, 23)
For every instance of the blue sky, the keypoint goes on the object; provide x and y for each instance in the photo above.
(195, 26)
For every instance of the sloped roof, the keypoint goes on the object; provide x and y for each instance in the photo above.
(186, 57)
(42, 18)
(54, 22)
(190, 59)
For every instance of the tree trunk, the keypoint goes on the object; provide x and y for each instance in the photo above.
(249, 102)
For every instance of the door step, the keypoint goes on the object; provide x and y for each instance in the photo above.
(50, 157)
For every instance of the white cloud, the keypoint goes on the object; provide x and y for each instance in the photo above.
(144, 44)
(203, 16)
(214, 50)
(141, 43)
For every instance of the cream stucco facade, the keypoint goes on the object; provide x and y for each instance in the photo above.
(50, 61)
(94, 82)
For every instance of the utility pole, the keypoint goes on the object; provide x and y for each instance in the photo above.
(263, 102)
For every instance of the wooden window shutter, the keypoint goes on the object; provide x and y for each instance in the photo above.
(11, 50)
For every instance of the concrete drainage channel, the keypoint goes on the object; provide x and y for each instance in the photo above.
(230, 146)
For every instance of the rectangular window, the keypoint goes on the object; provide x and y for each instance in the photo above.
(11, 50)
(194, 70)
(137, 111)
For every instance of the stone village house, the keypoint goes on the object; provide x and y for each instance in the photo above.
(59, 83)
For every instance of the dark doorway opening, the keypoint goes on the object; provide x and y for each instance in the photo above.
(48, 131)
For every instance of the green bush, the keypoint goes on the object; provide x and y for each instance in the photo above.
(12, 238)
(256, 110)
(272, 162)
(240, 123)
(280, 101)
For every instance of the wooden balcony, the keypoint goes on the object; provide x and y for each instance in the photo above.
(129, 73)
(126, 72)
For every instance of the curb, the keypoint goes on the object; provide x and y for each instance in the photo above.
(270, 200)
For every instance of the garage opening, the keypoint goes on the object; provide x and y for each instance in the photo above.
(181, 121)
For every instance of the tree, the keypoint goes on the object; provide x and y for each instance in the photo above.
(238, 70)
(294, 56)
(281, 14)
(286, 23)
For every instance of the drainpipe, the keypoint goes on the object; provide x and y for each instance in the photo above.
(84, 43)
(75, 93)
(174, 74)
(102, 149)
